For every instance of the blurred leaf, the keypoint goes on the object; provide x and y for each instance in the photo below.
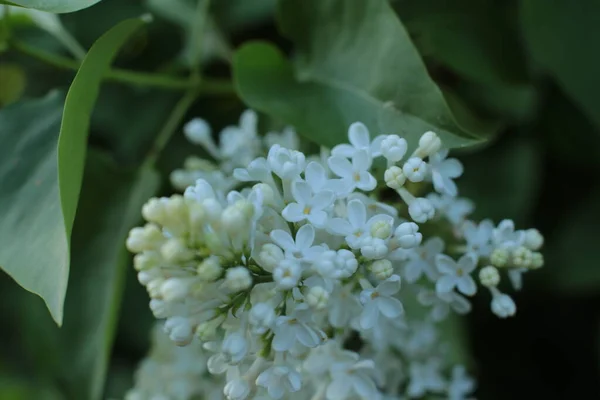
(503, 181)
(479, 42)
(12, 83)
(46, 21)
(110, 207)
(568, 133)
(559, 34)
(54, 6)
(574, 253)
(236, 15)
(76, 356)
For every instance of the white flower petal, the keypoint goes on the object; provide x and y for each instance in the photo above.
(322, 200)
(302, 192)
(361, 161)
(293, 212)
(340, 226)
(315, 175)
(340, 166)
(283, 239)
(304, 237)
(445, 284)
(466, 285)
(357, 213)
(358, 134)
(343, 150)
(318, 218)
(390, 306)
(369, 315)
(445, 264)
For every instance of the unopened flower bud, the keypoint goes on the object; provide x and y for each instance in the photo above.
(210, 269)
(238, 279)
(154, 210)
(179, 330)
(146, 260)
(533, 239)
(382, 269)
(268, 194)
(144, 238)
(429, 144)
(415, 169)
(522, 257)
(287, 274)
(537, 260)
(160, 308)
(317, 297)
(234, 220)
(262, 316)
(197, 131)
(270, 256)
(174, 251)
(237, 389)
(373, 248)
(503, 305)
(393, 148)
(499, 257)
(408, 235)
(394, 177)
(421, 210)
(174, 289)
(381, 229)
(489, 276)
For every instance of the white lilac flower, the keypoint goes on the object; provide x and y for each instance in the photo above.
(352, 378)
(456, 274)
(380, 300)
(422, 260)
(442, 303)
(308, 206)
(359, 137)
(355, 174)
(443, 171)
(280, 379)
(461, 385)
(455, 209)
(297, 327)
(302, 247)
(257, 275)
(478, 237)
(425, 377)
(355, 227)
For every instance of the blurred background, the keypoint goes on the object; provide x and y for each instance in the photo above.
(530, 66)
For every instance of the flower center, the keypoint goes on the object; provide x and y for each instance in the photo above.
(306, 210)
(356, 176)
(374, 295)
(460, 272)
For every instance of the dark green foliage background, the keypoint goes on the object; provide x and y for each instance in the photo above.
(526, 70)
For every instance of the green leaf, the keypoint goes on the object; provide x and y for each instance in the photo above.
(42, 193)
(355, 62)
(75, 356)
(54, 6)
(35, 250)
(559, 34)
(510, 183)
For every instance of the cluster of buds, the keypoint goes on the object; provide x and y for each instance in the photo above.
(310, 253)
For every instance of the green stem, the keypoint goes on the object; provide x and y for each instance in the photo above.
(171, 125)
(146, 79)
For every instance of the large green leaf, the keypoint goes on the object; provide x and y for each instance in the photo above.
(34, 249)
(355, 62)
(561, 36)
(41, 193)
(54, 6)
(75, 357)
